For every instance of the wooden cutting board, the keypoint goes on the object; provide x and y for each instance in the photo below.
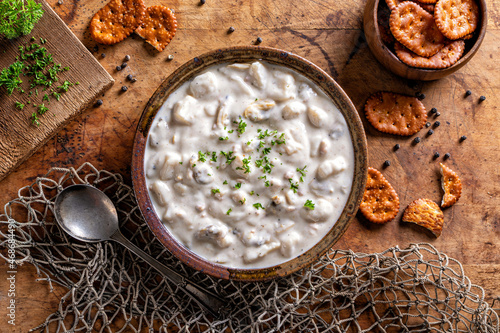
(19, 138)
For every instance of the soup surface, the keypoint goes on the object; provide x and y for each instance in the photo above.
(249, 164)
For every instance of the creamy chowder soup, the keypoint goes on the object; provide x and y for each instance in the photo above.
(249, 164)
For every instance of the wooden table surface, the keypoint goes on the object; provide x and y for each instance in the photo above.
(329, 33)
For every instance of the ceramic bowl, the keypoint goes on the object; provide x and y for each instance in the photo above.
(386, 56)
(249, 54)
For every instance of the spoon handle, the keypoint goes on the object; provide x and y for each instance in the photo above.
(206, 299)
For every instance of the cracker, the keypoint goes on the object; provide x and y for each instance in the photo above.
(158, 27)
(380, 202)
(395, 113)
(452, 186)
(446, 57)
(456, 18)
(428, 6)
(115, 21)
(415, 28)
(425, 213)
(428, 1)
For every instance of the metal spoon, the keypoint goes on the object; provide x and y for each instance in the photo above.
(88, 214)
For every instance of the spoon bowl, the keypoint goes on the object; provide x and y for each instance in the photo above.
(88, 214)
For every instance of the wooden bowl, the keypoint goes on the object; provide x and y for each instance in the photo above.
(388, 58)
(247, 54)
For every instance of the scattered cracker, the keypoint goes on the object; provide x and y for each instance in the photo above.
(425, 213)
(158, 27)
(446, 57)
(380, 202)
(456, 18)
(395, 113)
(115, 21)
(392, 3)
(452, 186)
(428, 1)
(415, 28)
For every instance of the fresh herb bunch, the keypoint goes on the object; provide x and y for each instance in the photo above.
(18, 17)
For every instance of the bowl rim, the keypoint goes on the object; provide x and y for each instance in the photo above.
(242, 54)
(373, 6)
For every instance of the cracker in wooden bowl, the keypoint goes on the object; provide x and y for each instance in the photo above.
(115, 21)
(415, 28)
(446, 57)
(425, 213)
(456, 18)
(380, 202)
(452, 186)
(158, 27)
(395, 113)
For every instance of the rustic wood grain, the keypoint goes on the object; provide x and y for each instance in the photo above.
(329, 34)
(19, 138)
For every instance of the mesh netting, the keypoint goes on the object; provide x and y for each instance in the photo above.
(417, 289)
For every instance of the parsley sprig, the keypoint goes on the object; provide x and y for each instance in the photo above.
(18, 17)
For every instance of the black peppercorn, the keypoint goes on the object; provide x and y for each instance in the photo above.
(421, 97)
(468, 93)
(438, 114)
(127, 58)
(124, 65)
(118, 68)
(202, 2)
(437, 123)
(130, 77)
(463, 138)
(124, 88)
(430, 132)
(482, 98)
(436, 155)
(433, 110)
(259, 40)
(427, 124)
(98, 102)
(446, 156)
(133, 80)
(417, 139)
(387, 163)
(230, 30)
(397, 146)
(103, 55)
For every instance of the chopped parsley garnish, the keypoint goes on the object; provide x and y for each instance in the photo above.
(252, 193)
(230, 131)
(56, 95)
(258, 205)
(19, 105)
(245, 167)
(180, 163)
(201, 156)
(225, 182)
(267, 183)
(309, 205)
(42, 109)
(229, 156)
(243, 201)
(34, 119)
(266, 151)
(229, 211)
(221, 138)
(215, 190)
(302, 173)
(241, 126)
(65, 86)
(238, 185)
(214, 157)
(293, 186)
(9, 77)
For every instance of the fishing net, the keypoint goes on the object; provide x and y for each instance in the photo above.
(109, 289)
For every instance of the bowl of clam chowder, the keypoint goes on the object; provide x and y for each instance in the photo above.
(249, 163)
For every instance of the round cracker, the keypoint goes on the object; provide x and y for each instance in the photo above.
(380, 202)
(446, 57)
(456, 18)
(395, 113)
(115, 21)
(158, 27)
(415, 28)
